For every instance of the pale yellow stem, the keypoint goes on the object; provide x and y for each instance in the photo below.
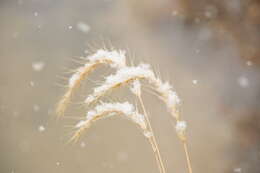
(187, 156)
(152, 139)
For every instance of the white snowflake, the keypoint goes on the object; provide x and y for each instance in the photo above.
(83, 27)
(194, 81)
(243, 82)
(36, 108)
(38, 66)
(41, 128)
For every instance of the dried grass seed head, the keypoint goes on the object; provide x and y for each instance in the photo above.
(122, 76)
(116, 59)
(105, 110)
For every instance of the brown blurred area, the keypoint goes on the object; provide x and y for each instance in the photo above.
(207, 49)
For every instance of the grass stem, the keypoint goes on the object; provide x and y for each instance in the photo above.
(152, 139)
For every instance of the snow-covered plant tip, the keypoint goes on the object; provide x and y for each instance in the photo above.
(125, 75)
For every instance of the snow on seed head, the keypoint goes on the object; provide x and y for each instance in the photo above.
(136, 88)
(123, 75)
(75, 77)
(166, 91)
(105, 110)
(180, 128)
(126, 108)
(117, 57)
(172, 99)
(80, 123)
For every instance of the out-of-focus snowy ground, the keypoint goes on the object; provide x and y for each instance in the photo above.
(218, 85)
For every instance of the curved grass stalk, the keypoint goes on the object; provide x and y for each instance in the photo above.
(112, 58)
(105, 110)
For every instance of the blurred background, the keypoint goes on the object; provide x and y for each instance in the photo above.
(208, 49)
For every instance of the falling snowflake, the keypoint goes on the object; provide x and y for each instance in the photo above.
(243, 82)
(249, 63)
(32, 83)
(197, 51)
(194, 82)
(237, 170)
(36, 108)
(82, 144)
(41, 128)
(83, 27)
(175, 13)
(38, 66)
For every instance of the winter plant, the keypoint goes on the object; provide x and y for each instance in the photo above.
(125, 75)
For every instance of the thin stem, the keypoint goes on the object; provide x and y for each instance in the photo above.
(187, 156)
(152, 139)
(183, 139)
(156, 156)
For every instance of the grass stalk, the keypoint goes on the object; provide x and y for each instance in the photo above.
(152, 139)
